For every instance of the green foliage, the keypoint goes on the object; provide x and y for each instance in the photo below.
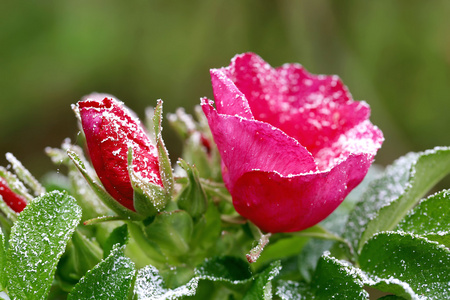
(430, 167)
(2, 260)
(430, 219)
(38, 240)
(421, 267)
(110, 279)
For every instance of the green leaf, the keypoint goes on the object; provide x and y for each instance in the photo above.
(87, 253)
(261, 287)
(172, 231)
(101, 192)
(380, 192)
(430, 168)
(2, 260)
(431, 218)
(292, 290)
(150, 285)
(228, 269)
(118, 236)
(111, 279)
(38, 240)
(407, 265)
(165, 167)
(310, 255)
(336, 280)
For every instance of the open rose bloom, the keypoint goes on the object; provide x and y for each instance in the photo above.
(293, 144)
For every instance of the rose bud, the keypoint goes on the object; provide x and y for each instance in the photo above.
(112, 130)
(293, 144)
(14, 201)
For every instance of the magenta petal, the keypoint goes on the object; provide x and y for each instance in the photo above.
(232, 101)
(313, 109)
(247, 145)
(291, 111)
(277, 203)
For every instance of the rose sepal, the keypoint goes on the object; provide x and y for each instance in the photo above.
(109, 201)
(192, 198)
(165, 167)
(148, 198)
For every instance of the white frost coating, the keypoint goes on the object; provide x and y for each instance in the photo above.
(38, 240)
(149, 285)
(25, 175)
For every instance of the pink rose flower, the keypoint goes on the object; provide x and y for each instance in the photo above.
(293, 144)
(16, 202)
(110, 130)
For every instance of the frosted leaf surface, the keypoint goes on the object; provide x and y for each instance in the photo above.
(38, 239)
(380, 192)
(150, 285)
(261, 288)
(2, 261)
(431, 166)
(431, 218)
(415, 263)
(335, 280)
(110, 279)
(291, 290)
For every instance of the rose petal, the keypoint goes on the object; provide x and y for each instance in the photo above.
(247, 145)
(277, 203)
(314, 109)
(232, 101)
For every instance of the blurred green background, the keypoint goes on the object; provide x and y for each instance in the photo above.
(393, 54)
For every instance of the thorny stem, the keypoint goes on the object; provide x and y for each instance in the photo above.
(255, 252)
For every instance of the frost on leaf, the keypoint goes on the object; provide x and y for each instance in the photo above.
(380, 192)
(150, 285)
(110, 279)
(38, 239)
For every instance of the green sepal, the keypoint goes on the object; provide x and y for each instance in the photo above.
(192, 198)
(172, 231)
(87, 254)
(15, 184)
(10, 215)
(165, 167)
(148, 198)
(25, 175)
(101, 192)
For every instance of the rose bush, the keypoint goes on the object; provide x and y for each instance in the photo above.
(293, 144)
(110, 130)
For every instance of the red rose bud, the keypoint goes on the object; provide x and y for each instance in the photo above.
(111, 130)
(14, 201)
(293, 144)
